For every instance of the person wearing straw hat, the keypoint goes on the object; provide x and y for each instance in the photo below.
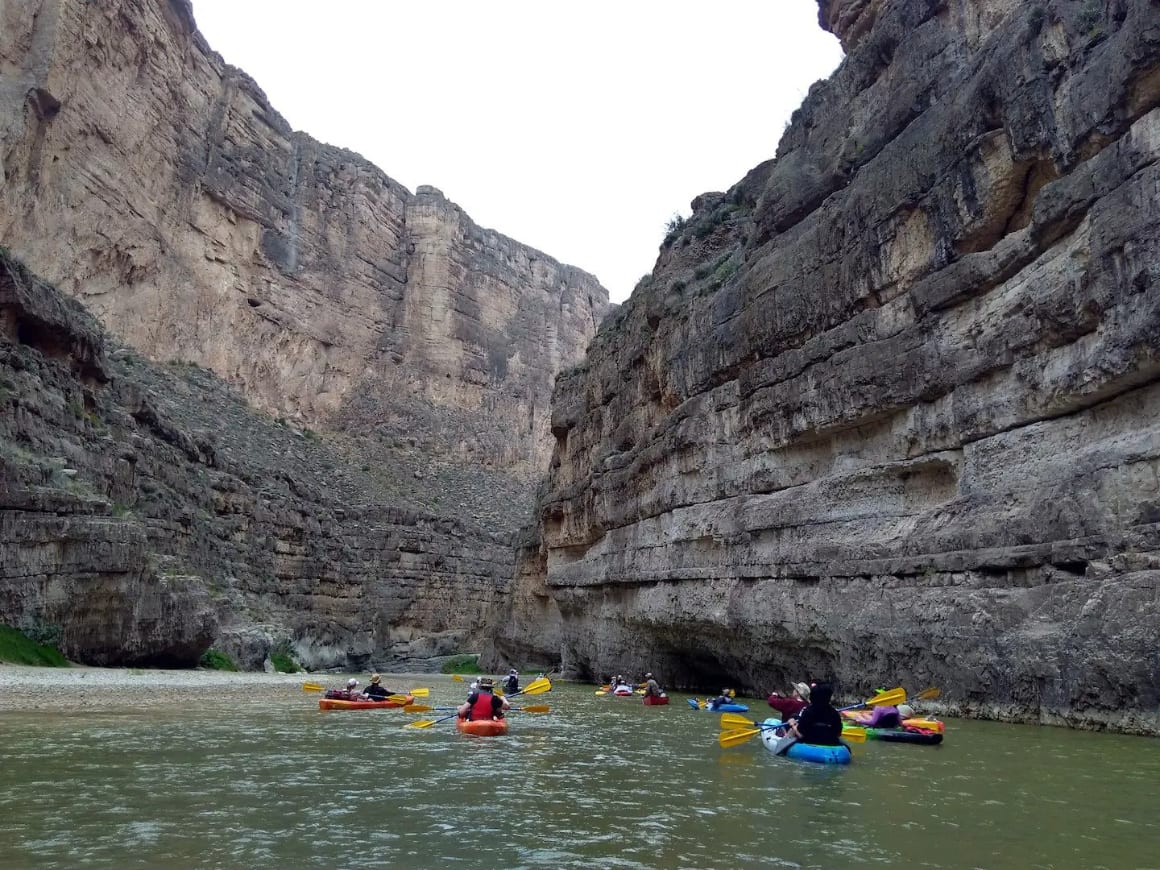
(375, 691)
(482, 704)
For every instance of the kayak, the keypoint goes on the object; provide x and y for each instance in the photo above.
(799, 751)
(622, 692)
(862, 717)
(483, 727)
(902, 735)
(338, 704)
(720, 708)
(655, 700)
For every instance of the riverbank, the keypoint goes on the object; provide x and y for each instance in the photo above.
(24, 687)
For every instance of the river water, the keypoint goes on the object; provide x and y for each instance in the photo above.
(264, 780)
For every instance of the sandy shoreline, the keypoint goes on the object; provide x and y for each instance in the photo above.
(27, 688)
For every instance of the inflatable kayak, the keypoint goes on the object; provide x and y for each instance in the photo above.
(655, 700)
(902, 735)
(623, 691)
(720, 708)
(799, 751)
(338, 704)
(483, 727)
(862, 717)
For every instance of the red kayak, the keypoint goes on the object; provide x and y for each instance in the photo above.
(483, 727)
(656, 700)
(337, 704)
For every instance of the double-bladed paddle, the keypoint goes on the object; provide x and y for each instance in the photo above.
(739, 729)
(535, 687)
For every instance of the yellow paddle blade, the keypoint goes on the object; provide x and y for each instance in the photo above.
(733, 738)
(928, 694)
(639, 691)
(854, 735)
(417, 708)
(534, 708)
(398, 699)
(312, 687)
(497, 691)
(889, 698)
(457, 678)
(422, 723)
(734, 721)
(538, 687)
(600, 692)
(419, 693)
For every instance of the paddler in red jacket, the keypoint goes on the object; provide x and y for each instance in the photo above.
(482, 705)
(792, 706)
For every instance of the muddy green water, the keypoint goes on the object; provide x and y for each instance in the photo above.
(597, 782)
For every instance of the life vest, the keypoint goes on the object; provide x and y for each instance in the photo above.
(482, 709)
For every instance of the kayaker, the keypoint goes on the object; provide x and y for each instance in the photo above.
(819, 723)
(652, 688)
(790, 707)
(375, 691)
(887, 716)
(482, 704)
(512, 684)
(723, 698)
(352, 692)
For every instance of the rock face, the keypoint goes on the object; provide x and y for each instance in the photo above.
(889, 409)
(155, 183)
(147, 512)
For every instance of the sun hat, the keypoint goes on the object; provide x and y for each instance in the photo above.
(802, 690)
(376, 678)
(486, 683)
(648, 676)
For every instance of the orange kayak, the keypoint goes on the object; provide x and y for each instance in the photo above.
(336, 704)
(483, 727)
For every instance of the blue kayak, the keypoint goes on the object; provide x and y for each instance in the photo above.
(799, 751)
(720, 708)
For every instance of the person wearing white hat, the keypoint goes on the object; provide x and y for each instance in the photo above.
(512, 684)
(793, 705)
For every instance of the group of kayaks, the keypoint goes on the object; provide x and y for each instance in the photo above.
(858, 726)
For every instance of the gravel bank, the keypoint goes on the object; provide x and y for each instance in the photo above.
(83, 688)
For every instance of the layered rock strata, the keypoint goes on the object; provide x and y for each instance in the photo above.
(888, 409)
(148, 512)
(154, 182)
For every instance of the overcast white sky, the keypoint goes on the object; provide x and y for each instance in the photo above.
(577, 128)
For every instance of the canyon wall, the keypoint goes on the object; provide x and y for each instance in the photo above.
(147, 512)
(155, 183)
(888, 410)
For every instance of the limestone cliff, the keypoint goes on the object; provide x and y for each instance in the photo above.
(147, 512)
(889, 409)
(156, 183)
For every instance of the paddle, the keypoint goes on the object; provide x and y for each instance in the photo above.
(732, 738)
(417, 708)
(928, 694)
(535, 687)
(534, 708)
(417, 693)
(457, 678)
(889, 698)
(734, 723)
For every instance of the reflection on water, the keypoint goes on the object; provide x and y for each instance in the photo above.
(598, 782)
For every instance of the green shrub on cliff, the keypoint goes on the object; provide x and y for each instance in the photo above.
(465, 664)
(216, 660)
(16, 648)
(282, 661)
